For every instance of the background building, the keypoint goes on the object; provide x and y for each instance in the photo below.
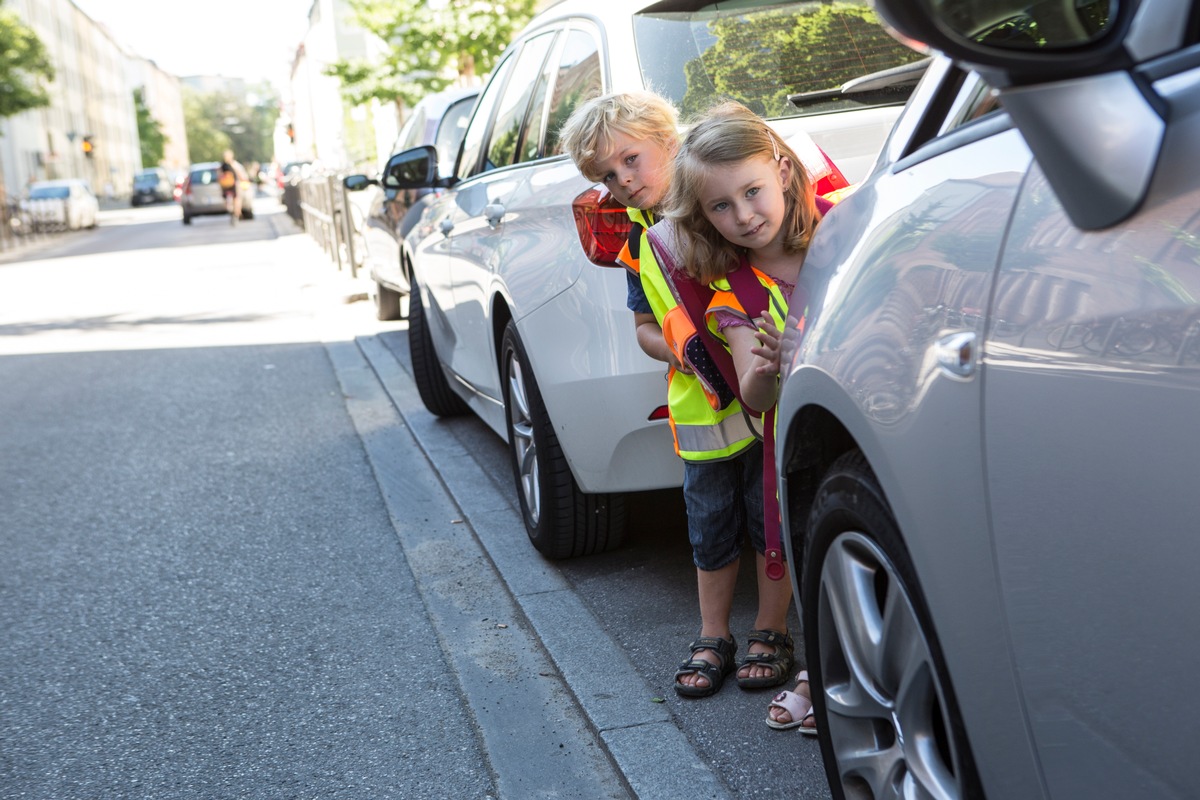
(89, 130)
(326, 128)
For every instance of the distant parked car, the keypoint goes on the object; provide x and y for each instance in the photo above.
(510, 315)
(388, 212)
(151, 186)
(67, 203)
(293, 171)
(202, 194)
(989, 450)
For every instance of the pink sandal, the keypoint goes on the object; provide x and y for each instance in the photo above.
(799, 708)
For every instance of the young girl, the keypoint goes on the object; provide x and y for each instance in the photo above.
(741, 198)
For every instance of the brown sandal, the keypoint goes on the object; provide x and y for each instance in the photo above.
(715, 673)
(781, 661)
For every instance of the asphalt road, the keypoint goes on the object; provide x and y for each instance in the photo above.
(227, 568)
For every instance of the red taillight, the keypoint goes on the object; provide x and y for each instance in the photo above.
(603, 225)
(832, 180)
(662, 412)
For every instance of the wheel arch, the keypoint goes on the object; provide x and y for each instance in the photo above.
(500, 317)
(816, 429)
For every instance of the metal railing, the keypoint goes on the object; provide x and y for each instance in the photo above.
(22, 224)
(320, 203)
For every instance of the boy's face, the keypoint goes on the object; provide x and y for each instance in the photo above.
(636, 171)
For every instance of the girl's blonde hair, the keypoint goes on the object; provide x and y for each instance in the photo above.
(730, 133)
(587, 134)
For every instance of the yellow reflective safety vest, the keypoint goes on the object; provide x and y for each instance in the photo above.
(702, 432)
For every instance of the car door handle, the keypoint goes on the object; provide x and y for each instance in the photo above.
(445, 226)
(956, 354)
(493, 213)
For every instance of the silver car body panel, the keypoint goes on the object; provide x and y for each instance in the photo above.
(1049, 501)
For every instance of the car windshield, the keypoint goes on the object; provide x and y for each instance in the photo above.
(44, 192)
(760, 54)
(146, 179)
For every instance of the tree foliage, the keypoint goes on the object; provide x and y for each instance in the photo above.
(762, 58)
(429, 45)
(150, 135)
(217, 121)
(25, 66)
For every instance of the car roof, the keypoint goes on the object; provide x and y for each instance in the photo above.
(438, 102)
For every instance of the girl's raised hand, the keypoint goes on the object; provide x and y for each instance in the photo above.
(769, 338)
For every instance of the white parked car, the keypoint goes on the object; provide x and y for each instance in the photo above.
(67, 203)
(510, 315)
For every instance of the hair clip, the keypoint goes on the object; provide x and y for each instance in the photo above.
(774, 145)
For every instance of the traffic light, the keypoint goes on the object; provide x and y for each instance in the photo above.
(291, 133)
(88, 147)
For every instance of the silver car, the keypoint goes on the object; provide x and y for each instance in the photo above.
(201, 195)
(989, 447)
(510, 316)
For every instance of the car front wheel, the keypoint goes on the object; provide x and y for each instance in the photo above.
(890, 726)
(561, 520)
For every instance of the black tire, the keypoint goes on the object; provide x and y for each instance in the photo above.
(387, 303)
(907, 727)
(431, 382)
(561, 520)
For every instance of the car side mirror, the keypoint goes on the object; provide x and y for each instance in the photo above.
(412, 169)
(1067, 75)
(356, 183)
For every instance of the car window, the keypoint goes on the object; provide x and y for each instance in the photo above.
(451, 129)
(468, 159)
(529, 147)
(760, 53)
(975, 100)
(578, 78)
(48, 192)
(511, 111)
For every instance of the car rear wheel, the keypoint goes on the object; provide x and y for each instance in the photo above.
(890, 726)
(431, 382)
(561, 520)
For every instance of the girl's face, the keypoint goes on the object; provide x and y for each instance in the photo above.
(635, 170)
(744, 201)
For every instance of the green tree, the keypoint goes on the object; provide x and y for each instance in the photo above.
(217, 121)
(206, 141)
(428, 46)
(150, 135)
(25, 66)
(795, 49)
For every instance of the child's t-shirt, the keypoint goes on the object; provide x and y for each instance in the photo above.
(730, 319)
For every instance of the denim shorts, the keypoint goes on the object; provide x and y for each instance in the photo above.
(724, 502)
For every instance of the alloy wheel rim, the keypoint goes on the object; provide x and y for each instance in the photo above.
(523, 444)
(885, 704)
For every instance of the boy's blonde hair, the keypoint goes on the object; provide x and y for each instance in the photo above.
(587, 134)
(729, 134)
